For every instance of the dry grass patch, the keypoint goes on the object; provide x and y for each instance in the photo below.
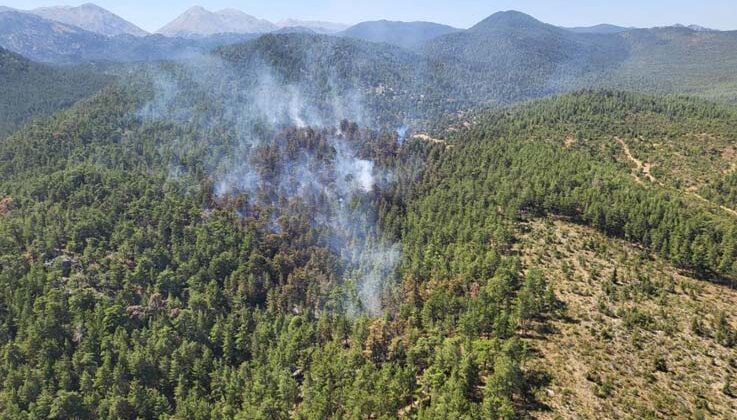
(638, 338)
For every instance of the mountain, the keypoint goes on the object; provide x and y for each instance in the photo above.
(316, 26)
(198, 21)
(516, 39)
(519, 57)
(32, 90)
(92, 18)
(47, 41)
(402, 34)
(506, 58)
(522, 57)
(603, 28)
(503, 61)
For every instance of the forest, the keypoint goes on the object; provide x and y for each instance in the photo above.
(134, 289)
(311, 226)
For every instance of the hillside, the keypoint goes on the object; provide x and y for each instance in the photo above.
(333, 271)
(511, 57)
(408, 35)
(536, 58)
(684, 144)
(678, 60)
(33, 90)
(549, 170)
(638, 338)
(92, 18)
(226, 290)
(634, 334)
(373, 83)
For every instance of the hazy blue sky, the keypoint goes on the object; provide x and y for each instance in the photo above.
(152, 14)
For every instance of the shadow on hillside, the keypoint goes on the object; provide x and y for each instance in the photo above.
(535, 381)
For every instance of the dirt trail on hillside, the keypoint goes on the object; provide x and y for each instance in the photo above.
(646, 168)
(704, 199)
(643, 167)
(427, 138)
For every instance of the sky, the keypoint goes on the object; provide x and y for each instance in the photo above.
(153, 14)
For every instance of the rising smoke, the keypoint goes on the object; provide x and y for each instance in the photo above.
(242, 114)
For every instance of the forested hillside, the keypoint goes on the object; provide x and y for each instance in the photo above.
(523, 58)
(386, 84)
(306, 226)
(130, 291)
(32, 90)
(146, 271)
(528, 58)
(677, 60)
(508, 58)
(578, 166)
(684, 144)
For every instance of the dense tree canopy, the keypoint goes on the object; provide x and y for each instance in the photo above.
(134, 285)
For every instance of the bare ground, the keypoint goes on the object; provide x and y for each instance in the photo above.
(626, 349)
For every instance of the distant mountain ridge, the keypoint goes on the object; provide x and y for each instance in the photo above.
(314, 25)
(606, 28)
(198, 21)
(507, 57)
(90, 17)
(539, 59)
(603, 28)
(44, 40)
(402, 34)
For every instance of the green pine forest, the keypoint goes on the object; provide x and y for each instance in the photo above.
(524, 248)
(129, 293)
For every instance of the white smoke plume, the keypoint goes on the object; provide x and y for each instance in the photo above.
(242, 111)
